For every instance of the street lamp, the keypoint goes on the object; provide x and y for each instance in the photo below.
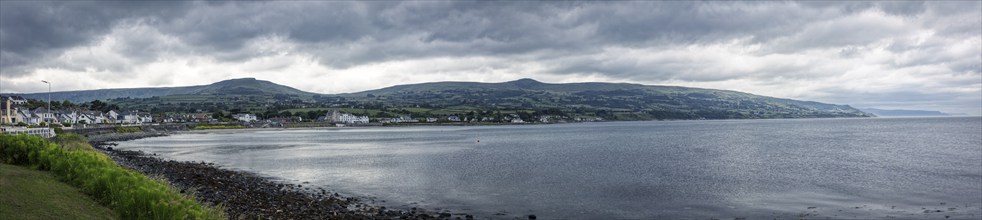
(49, 99)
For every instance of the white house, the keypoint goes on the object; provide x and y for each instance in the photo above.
(94, 117)
(86, 119)
(45, 115)
(127, 118)
(453, 118)
(245, 117)
(403, 119)
(145, 118)
(112, 116)
(17, 100)
(70, 117)
(338, 117)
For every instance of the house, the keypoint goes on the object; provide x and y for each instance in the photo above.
(201, 117)
(431, 120)
(86, 119)
(517, 120)
(337, 117)
(403, 119)
(93, 117)
(67, 116)
(122, 117)
(170, 119)
(27, 117)
(245, 117)
(144, 117)
(112, 116)
(45, 115)
(453, 118)
(16, 100)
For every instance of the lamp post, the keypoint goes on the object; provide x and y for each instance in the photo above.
(49, 100)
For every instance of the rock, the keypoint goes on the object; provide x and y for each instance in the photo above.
(468, 217)
(532, 217)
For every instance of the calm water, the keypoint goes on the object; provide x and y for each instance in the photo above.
(812, 168)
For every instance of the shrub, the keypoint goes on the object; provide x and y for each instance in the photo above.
(204, 127)
(128, 129)
(129, 193)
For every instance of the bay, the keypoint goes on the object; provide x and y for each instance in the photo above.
(796, 168)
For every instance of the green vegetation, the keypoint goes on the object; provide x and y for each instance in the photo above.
(32, 194)
(587, 101)
(128, 129)
(207, 127)
(131, 194)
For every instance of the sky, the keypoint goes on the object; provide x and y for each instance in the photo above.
(882, 54)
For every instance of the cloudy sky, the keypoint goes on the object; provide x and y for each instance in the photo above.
(886, 54)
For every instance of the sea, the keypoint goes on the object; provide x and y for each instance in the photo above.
(853, 168)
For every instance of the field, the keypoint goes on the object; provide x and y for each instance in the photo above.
(33, 194)
(130, 194)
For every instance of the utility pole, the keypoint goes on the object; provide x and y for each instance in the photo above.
(49, 100)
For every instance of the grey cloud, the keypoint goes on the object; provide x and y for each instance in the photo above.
(565, 34)
(386, 30)
(31, 30)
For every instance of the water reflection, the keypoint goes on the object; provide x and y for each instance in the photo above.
(688, 169)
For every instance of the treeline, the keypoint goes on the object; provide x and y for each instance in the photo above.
(96, 105)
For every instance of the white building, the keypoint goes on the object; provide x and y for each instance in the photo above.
(45, 115)
(43, 132)
(453, 118)
(145, 117)
(27, 117)
(337, 117)
(70, 117)
(245, 117)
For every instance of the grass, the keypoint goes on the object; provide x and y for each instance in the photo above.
(33, 194)
(207, 127)
(130, 194)
(128, 129)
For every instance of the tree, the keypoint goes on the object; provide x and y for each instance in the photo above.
(217, 115)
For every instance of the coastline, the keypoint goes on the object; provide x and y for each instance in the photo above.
(245, 195)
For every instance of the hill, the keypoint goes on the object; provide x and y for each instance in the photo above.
(244, 86)
(610, 101)
(636, 100)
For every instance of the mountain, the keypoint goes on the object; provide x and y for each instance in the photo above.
(610, 101)
(903, 113)
(636, 100)
(244, 86)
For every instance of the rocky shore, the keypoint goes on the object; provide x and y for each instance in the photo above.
(245, 195)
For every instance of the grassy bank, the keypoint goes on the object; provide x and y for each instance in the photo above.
(130, 194)
(33, 194)
(208, 127)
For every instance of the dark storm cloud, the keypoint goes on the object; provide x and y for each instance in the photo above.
(31, 30)
(635, 41)
(386, 30)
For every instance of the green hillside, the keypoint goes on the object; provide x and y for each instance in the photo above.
(610, 101)
(642, 101)
(244, 86)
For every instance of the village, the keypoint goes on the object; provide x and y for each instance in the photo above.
(16, 117)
